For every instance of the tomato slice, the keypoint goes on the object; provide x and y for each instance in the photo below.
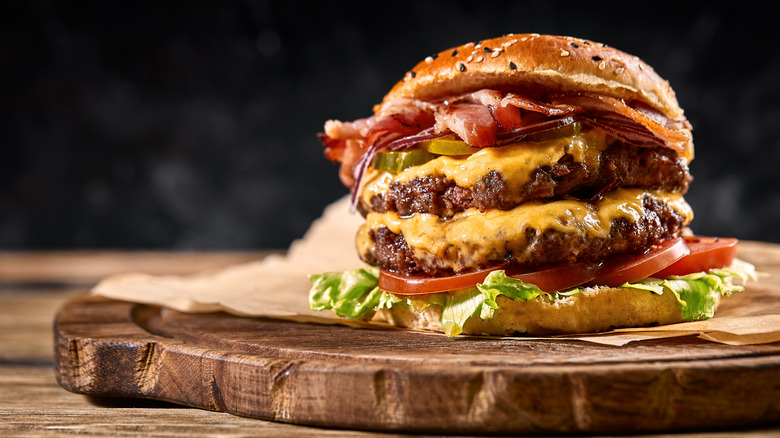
(705, 253)
(558, 278)
(423, 284)
(677, 256)
(548, 279)
(628, 269)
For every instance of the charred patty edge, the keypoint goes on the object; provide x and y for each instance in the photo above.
(541, 247)
(620, 165)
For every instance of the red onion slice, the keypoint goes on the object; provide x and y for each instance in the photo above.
(411, 140)
(518, 134)
(624, 129)
(389, 142)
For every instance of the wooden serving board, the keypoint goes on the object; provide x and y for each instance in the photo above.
(394, 380)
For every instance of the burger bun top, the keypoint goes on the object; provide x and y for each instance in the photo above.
(536, 64)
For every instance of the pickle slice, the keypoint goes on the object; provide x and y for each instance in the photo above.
(448, 146)
(451, 145)
(397, 161)
(563, 131)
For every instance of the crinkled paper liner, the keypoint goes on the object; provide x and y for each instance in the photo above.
(277, 287)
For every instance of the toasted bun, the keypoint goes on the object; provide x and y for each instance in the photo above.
(593, 310)
(532, 63)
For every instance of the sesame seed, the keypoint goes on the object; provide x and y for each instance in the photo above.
(575, 45)
(413, 74)
(480, 59)
(470, 58)
(429, 59)
(496, 53)
(462, 67)
(512, 65)
(619, 70)
(455, 52)
(487, 49)
(596, 58)
(602, 65)
(564, 53)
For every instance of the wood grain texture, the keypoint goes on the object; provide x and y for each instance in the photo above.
(393, 380)
(87, 267)
(33, 404)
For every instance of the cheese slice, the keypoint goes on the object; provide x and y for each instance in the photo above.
(516, 163)
(473, 237)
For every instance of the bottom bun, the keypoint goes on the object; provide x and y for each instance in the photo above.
(593, 310)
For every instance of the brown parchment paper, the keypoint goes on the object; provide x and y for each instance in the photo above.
(278, 286)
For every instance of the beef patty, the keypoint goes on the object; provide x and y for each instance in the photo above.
(539, 247)
(620, 165)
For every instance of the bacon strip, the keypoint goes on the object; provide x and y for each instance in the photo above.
(347, 142)
(478, 117)
(673, 133)
(472, 122)
(549, 110)
(488, 117)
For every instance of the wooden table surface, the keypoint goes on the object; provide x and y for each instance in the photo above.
(34, 285)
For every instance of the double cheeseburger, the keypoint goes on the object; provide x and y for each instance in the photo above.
(528, 184)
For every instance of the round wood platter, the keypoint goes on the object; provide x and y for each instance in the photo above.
(397, 380)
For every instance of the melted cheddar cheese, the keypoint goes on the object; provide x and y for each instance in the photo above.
(516, 163)
(472, 237)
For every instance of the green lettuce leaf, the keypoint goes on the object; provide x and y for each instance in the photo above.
(354, 294)
(457, 309)
(697, 292)
(350, 294)
(497, 283)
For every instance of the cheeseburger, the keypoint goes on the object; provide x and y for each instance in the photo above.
(527, 184)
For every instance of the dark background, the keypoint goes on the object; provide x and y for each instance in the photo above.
(192, 125)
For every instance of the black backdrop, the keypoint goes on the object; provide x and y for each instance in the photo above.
(192, 125)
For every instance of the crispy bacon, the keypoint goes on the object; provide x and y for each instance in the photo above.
(489, 117)
(674, 134)
(353, 150)
(404, 116)
(334, 148)
(472, 122)
(506, 115)
(477, 117)
(337, 129)
(347, 142)
(549, 110)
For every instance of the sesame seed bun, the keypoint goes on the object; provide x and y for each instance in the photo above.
(533, 64)
(593, 310)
